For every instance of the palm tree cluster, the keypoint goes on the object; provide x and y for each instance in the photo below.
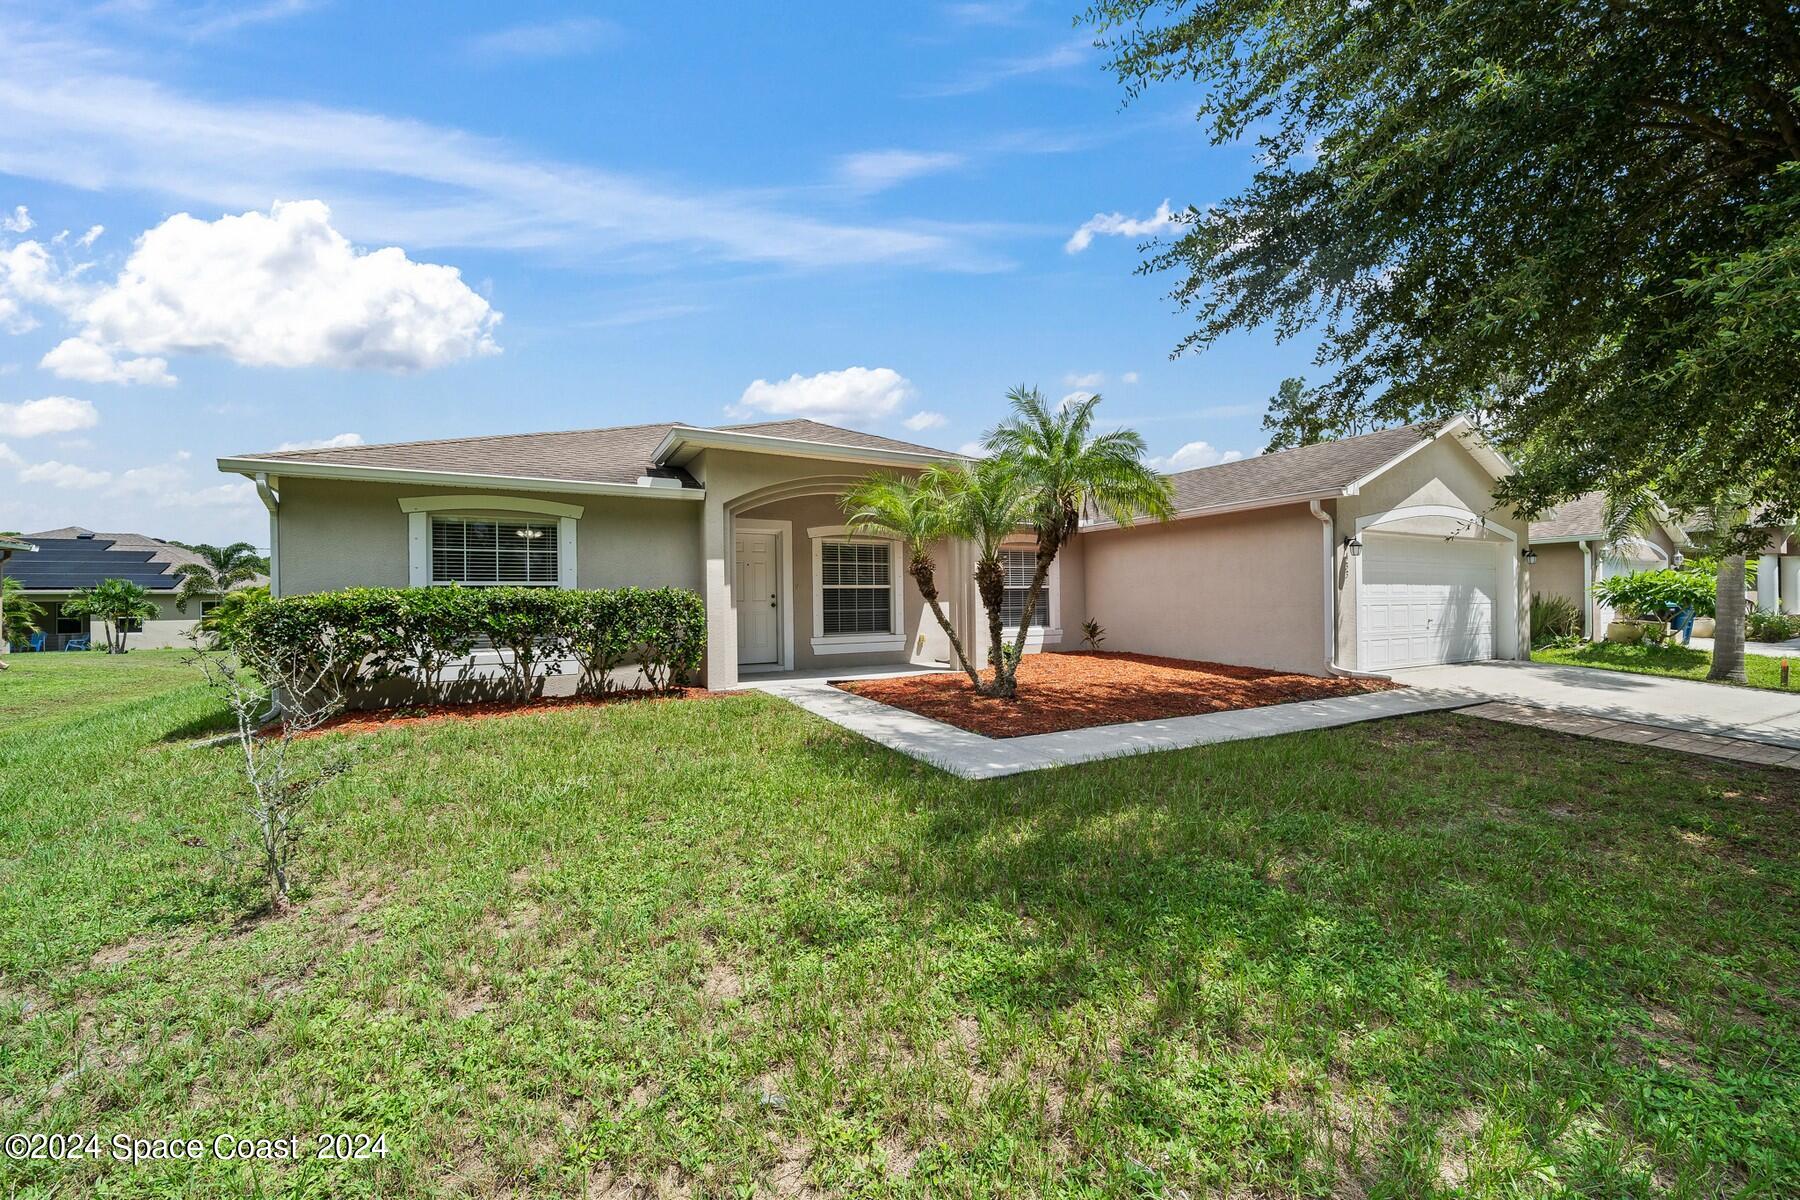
(1045, 468)
(221, 569)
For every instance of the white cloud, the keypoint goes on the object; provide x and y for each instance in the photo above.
(877, 170)
(330, 443)
(92, 235)
(276, 289)
(67, 116)
(19, 222)
(1091, 380)
(52, 414)
(9, 456)
(983, 76)
(1119, 225)
(1195, 454)
(1129, 377)
(972, 450)
(921, 421)
(64, 475)
(867, 393)
(1072, 399)
(546, 39)
(85, 359)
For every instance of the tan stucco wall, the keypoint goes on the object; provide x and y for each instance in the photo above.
(1240, 588)
(1558, 572)
(339, 534)
(1443, 473)
(818, 512)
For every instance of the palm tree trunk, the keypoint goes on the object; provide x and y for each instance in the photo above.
(990, 584)
(926, 579)
(1728, 631)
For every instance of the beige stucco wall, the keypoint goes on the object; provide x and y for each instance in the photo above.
(1242, 588)
(1443, 473)
(819, 512)
(1558, 572)
(340, 534)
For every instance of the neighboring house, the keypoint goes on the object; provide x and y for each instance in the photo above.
(1777, 562)
(1573, 555)
(73, 558)
(1368, 553)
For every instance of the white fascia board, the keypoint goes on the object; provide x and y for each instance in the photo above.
(1492, 461)
(684, 437)
(460, 479)
(1214, 510)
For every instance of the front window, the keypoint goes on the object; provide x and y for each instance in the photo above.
(67, 624)
(1019, 566)
(130, 624)
(487, 552)
(856, 587)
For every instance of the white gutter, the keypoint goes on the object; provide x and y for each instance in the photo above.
(1587, 591)
(1213, 510)
(1329, 539)
(725, 439)
(265, 488)
(461, 479)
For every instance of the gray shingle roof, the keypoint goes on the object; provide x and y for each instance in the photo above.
(1302, 471)
(1584, 516)
(616, 455)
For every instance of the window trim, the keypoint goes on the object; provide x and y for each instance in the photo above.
(893, 641)
(1051, 630)
(420, 509)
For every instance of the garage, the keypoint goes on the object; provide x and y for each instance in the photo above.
(1424, 600)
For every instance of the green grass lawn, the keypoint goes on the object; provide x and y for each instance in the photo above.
(1763, 671)
(722, 948)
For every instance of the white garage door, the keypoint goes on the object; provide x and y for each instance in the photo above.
(1425, 600)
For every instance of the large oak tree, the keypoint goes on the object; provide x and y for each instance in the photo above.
(1580, 218)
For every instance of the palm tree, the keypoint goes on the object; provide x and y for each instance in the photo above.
(1069, 469)
(989, 501)
(119, 603)
(224, 568)
(1730, 517)
(916, 511)
(19, 617)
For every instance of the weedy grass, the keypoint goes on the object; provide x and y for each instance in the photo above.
(1761, 670)
(723, 948)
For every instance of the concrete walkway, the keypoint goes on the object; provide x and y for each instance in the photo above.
(1735, 749)
(973, 756)
(1787, 649)
(1672, 705)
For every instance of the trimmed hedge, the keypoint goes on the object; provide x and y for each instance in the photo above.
(362, 636)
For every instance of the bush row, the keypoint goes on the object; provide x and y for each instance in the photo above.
(357, 637)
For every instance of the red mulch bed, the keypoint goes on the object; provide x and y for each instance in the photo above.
(1076, 691)
(371, 720)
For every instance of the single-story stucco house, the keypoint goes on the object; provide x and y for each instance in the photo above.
(1777, 561)
(72, 558)
(1573, 555)
(1365, 554)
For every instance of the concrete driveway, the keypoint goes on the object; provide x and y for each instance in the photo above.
(1707, 708)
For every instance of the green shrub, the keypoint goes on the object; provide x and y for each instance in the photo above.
(1653, 593)
(356, 637)
(1553, 618)
(1771, 627)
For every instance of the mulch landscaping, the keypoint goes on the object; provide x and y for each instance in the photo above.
(1077, 691)
(371, 720)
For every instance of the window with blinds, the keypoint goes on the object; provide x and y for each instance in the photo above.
(856, 587)
(480, 552)
(1019, 565)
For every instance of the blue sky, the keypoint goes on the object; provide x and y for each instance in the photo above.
(550, 217)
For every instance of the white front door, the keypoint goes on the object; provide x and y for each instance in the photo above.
(1425, 600)
(757, 595)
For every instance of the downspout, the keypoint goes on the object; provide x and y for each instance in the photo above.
(1328, 539)
(1587, 592)
(272, 501)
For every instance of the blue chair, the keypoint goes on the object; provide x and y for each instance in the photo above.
(80, 641)
(35, 642)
